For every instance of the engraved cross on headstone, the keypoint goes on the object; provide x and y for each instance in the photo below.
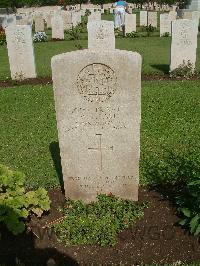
(100, 148)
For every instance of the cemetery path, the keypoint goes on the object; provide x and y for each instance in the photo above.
(154, 239)
(48, 80)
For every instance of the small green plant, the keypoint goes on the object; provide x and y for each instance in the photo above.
(132, 34)
(2, 36)
(118, 33)
(15, 204)
(149, 30)
(185, 70)
(143, 28)
(78, 46)
(87, 12)
(74, 33)
(19, 76)
(166, 34)
(189, 205)
(98, 222)
(84, 20)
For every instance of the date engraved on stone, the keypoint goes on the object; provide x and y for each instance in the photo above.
(87, 182)
(97, 82)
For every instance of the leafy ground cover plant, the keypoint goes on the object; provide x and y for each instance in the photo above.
(2, 36)
(149, 30)
(185, 70)
(98, 222)
(15, 204)
(40, 37)
(132, 34)
(166, 34)
(87, 12)
(118, 33)
(189, 205)
(74, 33)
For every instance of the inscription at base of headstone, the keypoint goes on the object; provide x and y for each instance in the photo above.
(98, 118)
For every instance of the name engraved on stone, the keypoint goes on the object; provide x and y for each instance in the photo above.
(97, 82)
(96, 116)
(100, 149)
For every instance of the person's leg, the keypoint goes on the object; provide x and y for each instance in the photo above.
(117, 19)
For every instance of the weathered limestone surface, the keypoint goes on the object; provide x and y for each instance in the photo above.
(98, 118)
(184, 43)
(20, 51)
(101, 35)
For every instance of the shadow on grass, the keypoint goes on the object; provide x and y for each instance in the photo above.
(162, 67)
(55, 154)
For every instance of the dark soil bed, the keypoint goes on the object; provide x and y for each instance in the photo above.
(34, 81)
(154, 239)
(48, 80)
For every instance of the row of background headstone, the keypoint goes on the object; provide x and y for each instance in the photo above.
(21, 55)
(73, 18)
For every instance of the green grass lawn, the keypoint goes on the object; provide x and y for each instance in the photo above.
(155, 52)
(28, 135)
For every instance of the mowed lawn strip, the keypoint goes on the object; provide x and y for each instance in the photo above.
(28, 134)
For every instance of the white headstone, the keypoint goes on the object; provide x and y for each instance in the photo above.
(172, 15)
(97, 98)
(184, 43)
(57, 27)
(130, 23)
(143, 18)
(195, 17)
(20, 52)
(101, 35)
(187, 14)
(39, 23)
(96, 16)
(67, 20)
(165, 24)
(152, 19)
(48, 21)
(76, 18)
